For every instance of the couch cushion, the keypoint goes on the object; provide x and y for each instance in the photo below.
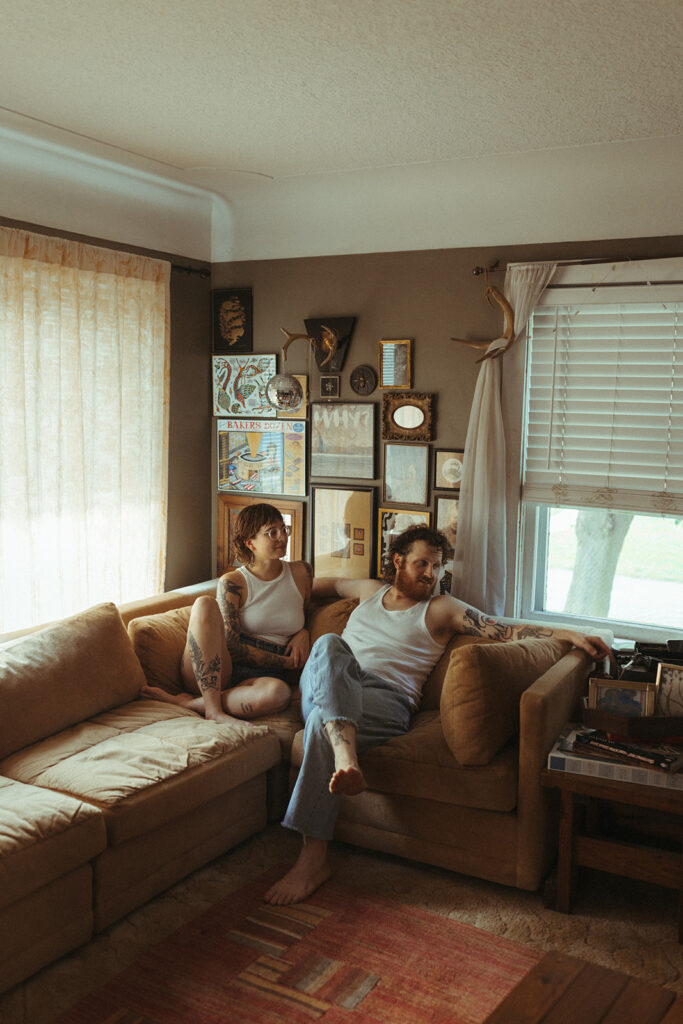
(159, 642)
(482, 689)
(330, 617)
(43, 835)
(63, 674)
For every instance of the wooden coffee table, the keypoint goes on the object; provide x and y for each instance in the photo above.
(561, 989)
(618, 857)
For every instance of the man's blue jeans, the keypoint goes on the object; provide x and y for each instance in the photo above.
(335, 688)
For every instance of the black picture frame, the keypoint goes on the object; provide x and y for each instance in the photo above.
(342, 440)
(232, 318)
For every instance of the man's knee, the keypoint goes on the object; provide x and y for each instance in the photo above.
(327, 645)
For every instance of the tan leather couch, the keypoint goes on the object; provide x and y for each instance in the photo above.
(107, 799)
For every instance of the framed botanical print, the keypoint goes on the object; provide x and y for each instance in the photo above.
(341, 531)
(239, 385)
(232, 310)
(406, 473)
(229, 507)
(261, 456)
(448, 469)
(391, 522)
(343, 440)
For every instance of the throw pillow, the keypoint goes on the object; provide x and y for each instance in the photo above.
(159, 642)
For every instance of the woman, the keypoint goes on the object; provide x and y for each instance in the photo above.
(244, 645)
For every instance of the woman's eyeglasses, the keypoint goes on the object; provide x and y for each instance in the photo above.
(277, 531)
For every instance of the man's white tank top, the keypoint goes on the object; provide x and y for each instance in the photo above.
(395, 645)
(274, 609)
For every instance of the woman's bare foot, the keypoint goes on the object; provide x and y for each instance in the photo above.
(308, 874)
(348, 781)
(186, 700)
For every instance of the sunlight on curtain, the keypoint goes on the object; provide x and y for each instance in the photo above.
(84, 390)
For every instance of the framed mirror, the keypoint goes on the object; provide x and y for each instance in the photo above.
(406, 417)
(395, 364)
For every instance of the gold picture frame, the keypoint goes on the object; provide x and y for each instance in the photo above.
(229, 507)
(406, 417)
(342, 542)
(627, 697)
(395, 363)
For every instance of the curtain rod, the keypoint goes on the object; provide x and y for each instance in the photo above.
(497, 268)
(203, 272)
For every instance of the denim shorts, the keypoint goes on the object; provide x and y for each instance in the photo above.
(242, 670)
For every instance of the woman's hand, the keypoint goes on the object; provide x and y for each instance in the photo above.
(298, 648)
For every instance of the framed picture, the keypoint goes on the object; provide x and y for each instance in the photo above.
(395, 364)
(233, 317)
(239, 385)
(261, 456)
(343, 440)
(229, 507)
(446, 520)
(447, 469)
(329, 385)
(300, 413)
(341, 531)
(406, 473)
(669, 683)
(406, 417)
(622, 697)
(390, 522)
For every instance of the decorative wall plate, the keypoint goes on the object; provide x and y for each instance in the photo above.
(363, 379)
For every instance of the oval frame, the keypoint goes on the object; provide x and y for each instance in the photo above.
(393, 400)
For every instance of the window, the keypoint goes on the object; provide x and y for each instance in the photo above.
(602, 483)
(84, 364)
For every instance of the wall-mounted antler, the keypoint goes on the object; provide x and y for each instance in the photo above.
(327, 343)
(492, 293)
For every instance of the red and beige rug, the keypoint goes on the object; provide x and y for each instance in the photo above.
(338, 957)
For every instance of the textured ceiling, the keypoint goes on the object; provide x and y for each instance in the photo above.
(296, 87)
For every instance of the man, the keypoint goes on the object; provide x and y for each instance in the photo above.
(359, 690)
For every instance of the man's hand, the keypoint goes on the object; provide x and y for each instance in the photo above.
(298, 648)
(593, 645)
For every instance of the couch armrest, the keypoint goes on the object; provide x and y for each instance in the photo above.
(545, 708)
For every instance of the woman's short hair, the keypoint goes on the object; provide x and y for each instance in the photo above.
(250, 520)
(403, 542)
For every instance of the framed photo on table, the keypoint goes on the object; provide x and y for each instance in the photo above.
(261, 456)
(343, 440)
(390, 522)
(622, 697)
(229, 507)
(341, 531)
(406, 468)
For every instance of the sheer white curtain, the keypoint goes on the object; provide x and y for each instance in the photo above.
(479, 564)
(84, 389)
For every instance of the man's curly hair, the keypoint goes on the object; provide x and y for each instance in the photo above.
(403, 542)
(250, 520)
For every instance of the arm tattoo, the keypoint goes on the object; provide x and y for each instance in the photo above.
(309, 569)
(523, 632)
(207, 676)
(477, 624)
(240, 651)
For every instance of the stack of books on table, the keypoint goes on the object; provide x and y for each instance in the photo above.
(592, 752)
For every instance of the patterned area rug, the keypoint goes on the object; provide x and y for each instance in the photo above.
(338, 957)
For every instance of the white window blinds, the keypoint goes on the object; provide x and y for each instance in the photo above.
(604, 408)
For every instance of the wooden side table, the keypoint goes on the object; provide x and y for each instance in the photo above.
(618, 857)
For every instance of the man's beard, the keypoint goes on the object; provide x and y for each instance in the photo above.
(413, 589)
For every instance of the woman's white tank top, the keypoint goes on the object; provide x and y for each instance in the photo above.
(274, 609)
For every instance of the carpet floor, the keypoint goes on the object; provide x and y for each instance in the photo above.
(629, 926)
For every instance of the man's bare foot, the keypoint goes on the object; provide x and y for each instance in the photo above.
(308, 874)
(348, 781)
(156, 693)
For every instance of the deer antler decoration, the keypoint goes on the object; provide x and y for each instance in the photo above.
(327, 343)
(492, 293)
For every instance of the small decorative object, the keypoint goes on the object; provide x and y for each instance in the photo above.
(492, 293)
(261, 456)
(363, 379)
(229, 507)
(405, 473)
(446, 515)
(448, 469)
(232, 320)
(391, 522)
(299, 412)
(338, 513)
(406, 417)
(395, 364)
(329, 386)
(622, 697)
(329, 338)
(343, 440)
(239, 385)
(284, 392)
(669, 689)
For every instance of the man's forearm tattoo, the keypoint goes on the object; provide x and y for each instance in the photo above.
(524, 632)
(207, 676)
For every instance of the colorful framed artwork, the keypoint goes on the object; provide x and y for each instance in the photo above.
(233, 316)
(300, 413)
(448, 469)
(446, 520)
(395, 364)
(239, 385)
(390, 522)
(229, 507)
(338, 516)
(406, 468)
(406, 417)
(261, 456)
(343, 440)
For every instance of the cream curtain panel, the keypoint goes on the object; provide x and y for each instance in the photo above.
(84, 392)
(480, 560)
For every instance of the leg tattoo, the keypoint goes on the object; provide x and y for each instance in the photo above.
(207, 676)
